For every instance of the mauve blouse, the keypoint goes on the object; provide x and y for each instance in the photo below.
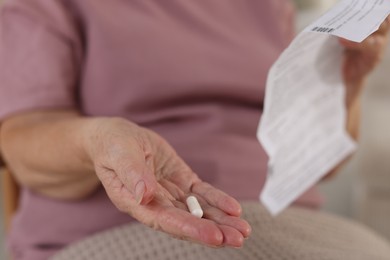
(193, 71)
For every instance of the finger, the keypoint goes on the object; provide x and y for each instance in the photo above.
(360, 60)
(163, 193)
(134, 168)
(173, 189)
(370, 43)
(182, 224)
(221, 218)
(180, 205)
(371, 40)
(231, 237)
(385, 26)
(116, 191)
(174, 194)
(217, 198)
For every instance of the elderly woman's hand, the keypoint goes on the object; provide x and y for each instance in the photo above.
(361, 58)
(143, 176)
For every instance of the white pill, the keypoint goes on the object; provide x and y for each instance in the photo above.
(194, 206)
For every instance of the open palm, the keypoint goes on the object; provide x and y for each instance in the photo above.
(143, 176)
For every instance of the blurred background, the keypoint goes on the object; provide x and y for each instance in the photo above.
(361, 191)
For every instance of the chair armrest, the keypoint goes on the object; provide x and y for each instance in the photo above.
(2, 164)
(10, 193)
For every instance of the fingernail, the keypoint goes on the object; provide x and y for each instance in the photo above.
(140, 189)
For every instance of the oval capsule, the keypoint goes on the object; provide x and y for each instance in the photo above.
(194, 206)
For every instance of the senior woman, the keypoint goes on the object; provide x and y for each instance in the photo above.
(112, 109)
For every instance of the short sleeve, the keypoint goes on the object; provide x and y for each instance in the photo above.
(39, 57)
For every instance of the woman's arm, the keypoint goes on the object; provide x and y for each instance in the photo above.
(353, 106)
(63, 155)
(45, 152)
(359, 60)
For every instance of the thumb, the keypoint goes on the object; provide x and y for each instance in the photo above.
(136, 172)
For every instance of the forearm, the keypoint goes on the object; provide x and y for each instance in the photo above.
(353, 107)
(353, 113)
(359, 60)
(45, 151)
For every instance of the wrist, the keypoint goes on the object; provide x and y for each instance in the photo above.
(99, 136)
(354, 92)
(353, 106)
(90, 138)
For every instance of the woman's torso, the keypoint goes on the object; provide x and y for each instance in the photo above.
(193, 71)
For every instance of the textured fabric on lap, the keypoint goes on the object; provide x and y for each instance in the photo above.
(297, 234)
